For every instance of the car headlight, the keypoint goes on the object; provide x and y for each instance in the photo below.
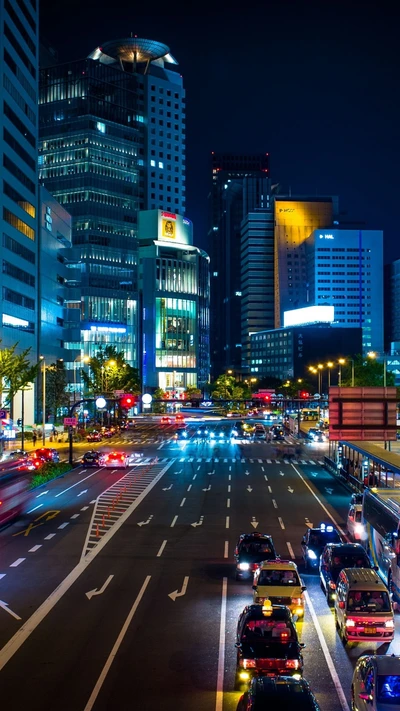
(297, 601)
(244, 676)
(234, 433)
(244, 566)
(389, 624)
(212, 435)
(198, 431)
(311, 554)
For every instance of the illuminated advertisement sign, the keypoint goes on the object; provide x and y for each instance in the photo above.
(168, 228)
(309, 314)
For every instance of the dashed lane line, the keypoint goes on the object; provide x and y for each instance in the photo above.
(17, 562)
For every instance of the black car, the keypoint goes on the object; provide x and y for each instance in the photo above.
(334, 558)
(250, 551)
(279, 692)
(267, 643)
(314, 542)
(93, 459)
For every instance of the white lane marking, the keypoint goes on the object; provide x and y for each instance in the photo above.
(282, 525)
(189, 487)
(275, 504)
(77, 484)
(75, 516)
(174, 520)
(93, 501)
(2, 575)
(227, 522)
(329, 661)
(64, 525)
(230, 469)
(229, 489)
(262, 469)
(198, 468)
(194, 477)
(85, 508)
(49, 537)
(226, 549)
(290, 549)
(114, 651)
(183, 501)
(34, 549)
(161, 445)
(320, 503)
(43, 493)
(230, 477)
(228, 503)
(265, 477)
(221, 649)
(269, 489)
(17, 562)
(159, 554)
(5, 607)
(36, 507)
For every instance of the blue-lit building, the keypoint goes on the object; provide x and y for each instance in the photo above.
(345, 270)
(174, 288)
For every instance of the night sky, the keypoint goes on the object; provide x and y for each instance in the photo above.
(314, 84)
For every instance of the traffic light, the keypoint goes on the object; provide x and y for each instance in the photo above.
(127, 401)
(303, 394)
(19, 422)
(267, 398)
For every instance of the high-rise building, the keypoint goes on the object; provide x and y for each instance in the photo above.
(239, 185)
(174, 284)
(295, 219)
(257, 276)
(112, 138)
(19, 308)
(345, 270)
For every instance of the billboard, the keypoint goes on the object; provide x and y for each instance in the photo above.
(309, 314)
(362, 414)
(164, 226)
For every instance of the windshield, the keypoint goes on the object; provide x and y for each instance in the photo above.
(357, 517)
(278, 577)
(319, 539)
(252, 548)
(388, 689)
(368, 601)
(267, 629)
(350, 561)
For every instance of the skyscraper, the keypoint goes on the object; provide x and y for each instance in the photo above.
(112, 135)
(19, 307)
(230, 199)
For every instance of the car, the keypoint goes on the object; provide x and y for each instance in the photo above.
(334, 558)
(312, 433)
(94, 437)
(47, 454)
(179, 419)
(251, 549)
(92, 458)
(107, 434)
(355, 527)
(181, 434)
(116, 460)
(202, 433)
(320, 437)
(279, 582)
(13, 455)
(278, 692)
(30, 464)
(267, 643)
(314, 542)
(376, 683)
(165, 420)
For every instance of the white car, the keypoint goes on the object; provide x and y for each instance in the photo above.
(355, 527)
(376, 683)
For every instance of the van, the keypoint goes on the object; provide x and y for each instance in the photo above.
(363, 609)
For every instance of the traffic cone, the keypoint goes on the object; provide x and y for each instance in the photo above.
(97, 531)
(103, 522)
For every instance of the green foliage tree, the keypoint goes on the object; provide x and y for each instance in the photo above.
(368, 372)
(109, 371)
(159, 407)
(16, 371)
(193, 393)
(57, 395)
(226, 387)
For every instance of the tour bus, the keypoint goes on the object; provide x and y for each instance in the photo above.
(14, 494)
(381, 514)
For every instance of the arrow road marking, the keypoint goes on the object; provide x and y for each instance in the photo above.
(42, 494)
(314, 473)
(249, 489)
(290, 490)
(282, 473)
(328, 491)
(208, 488)
(82, 492)
(168, 487)
(94, 592)
(5, 607)
(144, 523)
(254, 523)
(182, 592)
(247, 472)
(199, 523)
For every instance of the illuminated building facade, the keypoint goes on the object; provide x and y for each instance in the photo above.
(112, 142)
(345, 270)
(295, 220)
(240, 184)
(174, 288)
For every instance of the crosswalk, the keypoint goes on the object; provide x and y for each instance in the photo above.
(233, 460)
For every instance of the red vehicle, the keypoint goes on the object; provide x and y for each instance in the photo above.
(165, 420)
(179, 419)
(94, 437)
(47, 454)
(14, 494)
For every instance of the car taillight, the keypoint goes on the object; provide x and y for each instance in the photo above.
(332, 585)
(350, 623)
(292, 664)
(284, 635)
(259, 600)
(249, 663)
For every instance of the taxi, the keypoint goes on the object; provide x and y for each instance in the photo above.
(279, 581)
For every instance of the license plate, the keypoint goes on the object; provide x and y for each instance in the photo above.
(370, 630)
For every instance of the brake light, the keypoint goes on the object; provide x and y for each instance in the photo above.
(284, 635)
(249, 663)
(350, 623)
(332, 585)
(292, 663)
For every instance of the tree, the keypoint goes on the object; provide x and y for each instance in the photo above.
(367, 372)
(16, 372)
(57, 395)
(159, 407)
(226, 387)
(193, 393)
(109, 371)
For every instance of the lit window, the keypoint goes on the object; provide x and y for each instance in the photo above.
(238, 293)
(101, 126)
(153, 163)
(215, 274)
(160, 164)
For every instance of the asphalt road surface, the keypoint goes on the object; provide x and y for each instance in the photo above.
(117, 588)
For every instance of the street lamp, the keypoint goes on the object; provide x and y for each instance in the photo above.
(341, 362)
(82, 359)
(372, 355)
(329, 365)
(320, 369)
(42, 358)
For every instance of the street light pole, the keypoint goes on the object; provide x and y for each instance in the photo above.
(352, 372)
(44, 400)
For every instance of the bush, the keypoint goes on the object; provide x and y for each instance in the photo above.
(48, 471)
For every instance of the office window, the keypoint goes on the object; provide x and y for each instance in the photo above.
(13, 143)
(19, 323)
(15, 297)
(19, 174)
(19, 249)
(18, 224)
(17, 47)
(18, 199)
(17, 273)
(19, 125)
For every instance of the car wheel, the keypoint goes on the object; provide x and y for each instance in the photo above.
(343, 637)
(384, 647)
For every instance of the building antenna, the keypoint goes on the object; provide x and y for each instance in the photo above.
(290, 191)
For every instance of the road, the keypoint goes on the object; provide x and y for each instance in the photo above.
(118, 588)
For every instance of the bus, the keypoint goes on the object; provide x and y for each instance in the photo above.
(14, 494)
(381, 515)
(308, 415)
